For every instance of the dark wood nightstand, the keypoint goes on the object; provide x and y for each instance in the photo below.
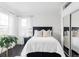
(26, 39)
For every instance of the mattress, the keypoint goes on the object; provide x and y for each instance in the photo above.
(42, 44)
(74, 43)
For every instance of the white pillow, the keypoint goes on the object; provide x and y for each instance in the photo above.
(46, 33)
(38, 33)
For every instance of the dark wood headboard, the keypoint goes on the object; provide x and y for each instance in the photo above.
(41, 28)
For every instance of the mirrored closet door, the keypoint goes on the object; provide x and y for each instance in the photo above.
(75, 33)
(66, 35)
(71, 34)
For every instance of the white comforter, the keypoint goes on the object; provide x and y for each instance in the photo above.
(42, 44)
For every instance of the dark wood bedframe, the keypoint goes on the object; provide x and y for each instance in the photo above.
(43, 54)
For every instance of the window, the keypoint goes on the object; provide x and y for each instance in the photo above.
(3, 23)
(25, 22)
(25, 26)
(3, 19)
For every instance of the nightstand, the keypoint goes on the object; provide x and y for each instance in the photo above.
(26, 39)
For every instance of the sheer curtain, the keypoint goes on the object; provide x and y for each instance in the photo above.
(7, 24)
(25, 27)
(3, 23)
(13, 25)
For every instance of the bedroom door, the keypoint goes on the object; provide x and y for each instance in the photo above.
(66, 35)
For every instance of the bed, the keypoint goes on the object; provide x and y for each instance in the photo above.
(42, 45)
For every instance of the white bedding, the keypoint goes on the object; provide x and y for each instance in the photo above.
(42, 44)
(74, 43)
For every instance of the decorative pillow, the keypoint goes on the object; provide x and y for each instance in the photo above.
(46, 33)
(38, 33)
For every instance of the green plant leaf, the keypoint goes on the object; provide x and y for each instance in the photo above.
(6, 41)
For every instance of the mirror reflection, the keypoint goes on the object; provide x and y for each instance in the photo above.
(75, 33)
(66, 34)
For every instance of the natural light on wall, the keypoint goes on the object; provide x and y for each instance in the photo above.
(25, 27)
(26, 23)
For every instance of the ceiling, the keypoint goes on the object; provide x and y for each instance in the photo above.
(31, 8)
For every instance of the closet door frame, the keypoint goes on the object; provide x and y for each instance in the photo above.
(70, 28)
(70, 50)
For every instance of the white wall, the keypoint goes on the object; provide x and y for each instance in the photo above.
(49, 20)
(66, 21)
(75, 19)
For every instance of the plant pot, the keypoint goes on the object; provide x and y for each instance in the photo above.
(7, 53)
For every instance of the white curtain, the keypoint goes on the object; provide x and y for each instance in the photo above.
(13, 25)
(8, 24)
(3, 23)
(25, 27)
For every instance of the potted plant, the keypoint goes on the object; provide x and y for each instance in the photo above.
(7, 41)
